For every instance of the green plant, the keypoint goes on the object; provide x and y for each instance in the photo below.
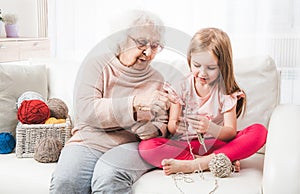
(9, 18)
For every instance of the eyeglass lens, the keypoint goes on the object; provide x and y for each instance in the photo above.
(142, 44)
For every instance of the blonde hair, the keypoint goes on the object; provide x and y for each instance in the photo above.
(218, 42)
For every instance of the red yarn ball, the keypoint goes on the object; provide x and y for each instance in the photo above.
(33, 112)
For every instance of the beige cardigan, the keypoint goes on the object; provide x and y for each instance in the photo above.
(103, 103)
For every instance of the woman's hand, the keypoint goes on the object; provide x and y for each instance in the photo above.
(157, 102)
(198, 123)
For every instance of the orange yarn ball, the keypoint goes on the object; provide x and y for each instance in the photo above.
(53, 120)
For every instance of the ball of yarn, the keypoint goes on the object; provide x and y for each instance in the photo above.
(47, 150)
(53, 120)
(7, 143)
(29, 95)
(33, 112)
(58, 108)
(220, 165)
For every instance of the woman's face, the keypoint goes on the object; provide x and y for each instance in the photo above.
(204, 66)
(140, 48)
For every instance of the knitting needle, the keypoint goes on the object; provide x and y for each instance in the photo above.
(201, 140)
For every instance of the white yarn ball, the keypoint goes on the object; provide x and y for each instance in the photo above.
(220, 166)
(29, 95)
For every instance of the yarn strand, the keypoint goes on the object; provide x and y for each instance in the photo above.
(181, 175)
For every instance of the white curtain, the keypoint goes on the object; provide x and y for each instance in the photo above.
(256, 27)
(77, 25)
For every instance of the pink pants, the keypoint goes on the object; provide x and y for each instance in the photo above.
(246, 143)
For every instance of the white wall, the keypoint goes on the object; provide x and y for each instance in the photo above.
(26, 11)
(75, 26)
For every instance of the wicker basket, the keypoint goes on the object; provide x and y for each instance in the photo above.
(28, 136)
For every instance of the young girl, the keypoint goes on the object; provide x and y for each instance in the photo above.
(211, 102)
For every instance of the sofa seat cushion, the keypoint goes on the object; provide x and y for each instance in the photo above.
(247, 181)
(29, 176)
(24, 175)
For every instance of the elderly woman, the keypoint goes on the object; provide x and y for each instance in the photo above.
(118, 100)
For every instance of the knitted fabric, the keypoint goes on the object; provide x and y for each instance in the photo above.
(58, 108)
(33, 112)
(47, 150)
(220, 165)
(7, 143)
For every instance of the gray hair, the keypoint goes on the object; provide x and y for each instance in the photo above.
(134, 20)
(144, 18)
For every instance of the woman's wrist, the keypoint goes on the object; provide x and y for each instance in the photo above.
(138, 105)
(141, 112)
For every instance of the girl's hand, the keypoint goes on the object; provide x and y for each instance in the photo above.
(181, 126)
(198, 123)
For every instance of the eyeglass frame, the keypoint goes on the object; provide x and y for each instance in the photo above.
(140, 44)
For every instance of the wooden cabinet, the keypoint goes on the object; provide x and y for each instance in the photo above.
(14, 49)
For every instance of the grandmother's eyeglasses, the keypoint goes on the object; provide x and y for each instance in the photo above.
(143, 44)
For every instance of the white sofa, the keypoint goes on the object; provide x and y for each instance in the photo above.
(273, 170)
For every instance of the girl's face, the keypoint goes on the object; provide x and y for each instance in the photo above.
(204, 66)
(140, 48)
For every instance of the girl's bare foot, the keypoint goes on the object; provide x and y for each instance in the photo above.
(171, 166)
(237, 166)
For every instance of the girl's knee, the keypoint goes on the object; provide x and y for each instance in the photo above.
(257, 128)
(149, 144)
(146, 144)
(261, 129)
(260, 132)
(149, 148)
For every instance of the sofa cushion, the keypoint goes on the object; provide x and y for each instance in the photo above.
(15, 79)
(259, 78)
(247, 181)
(34, 177)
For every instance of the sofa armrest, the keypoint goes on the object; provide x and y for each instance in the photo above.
(282, 157)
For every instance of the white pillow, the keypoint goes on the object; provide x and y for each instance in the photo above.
(15, 79)
(259, 78)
